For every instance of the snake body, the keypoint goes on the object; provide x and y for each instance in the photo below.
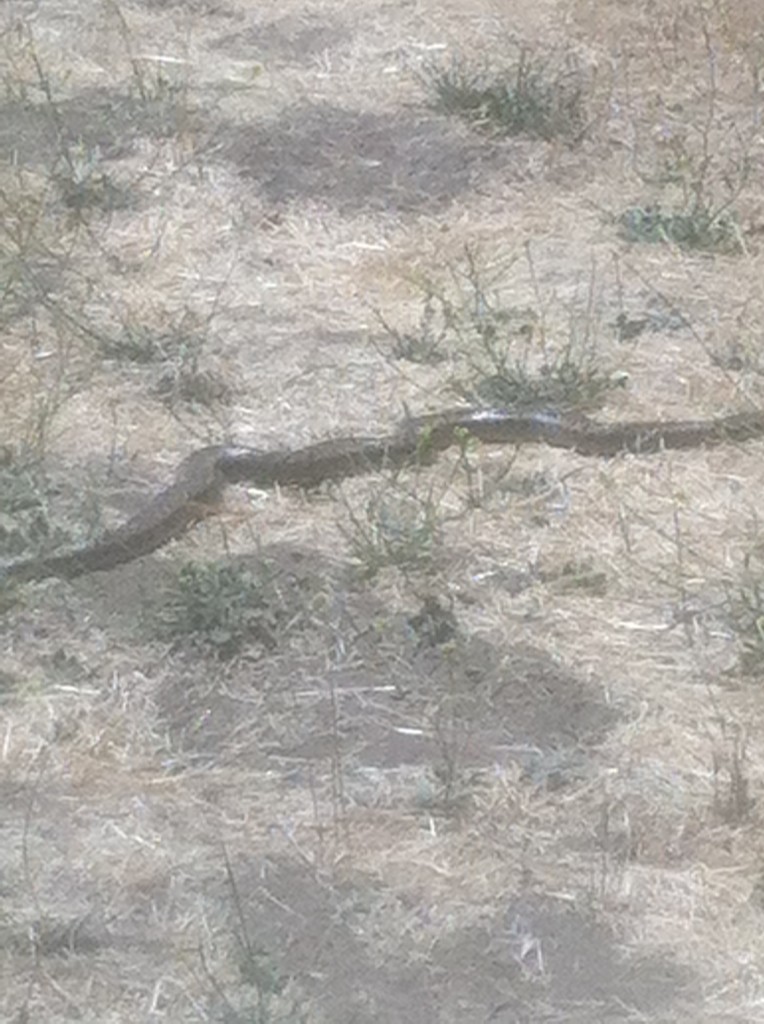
(202, 476)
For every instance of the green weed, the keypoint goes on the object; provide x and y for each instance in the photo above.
(220, 608)
(502, 353)
(699, 228)
(396, 528)
(536, 97)
(426, 343)
(176, 343)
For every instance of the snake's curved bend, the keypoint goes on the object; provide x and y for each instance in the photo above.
(201, 477)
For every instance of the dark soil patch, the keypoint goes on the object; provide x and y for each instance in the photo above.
(534, 959)
(359, 160)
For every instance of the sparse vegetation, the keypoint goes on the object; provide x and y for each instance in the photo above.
(85, 185)
(745, 607)
(543, 98)
(490, 749)
(32, 519)
(220, 608)
(502, 354)
(698, 229)
(23, 515)
(456, 785)
(397, 528)
(176, 346)
(427, 343)
(262, 994)
(699, 168)
(173, 338)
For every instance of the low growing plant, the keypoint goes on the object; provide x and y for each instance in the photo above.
(539, 97)
(219, 608)
(697, 166)
(745, 605)
(397, 528)
(502, 353)
(696, 228)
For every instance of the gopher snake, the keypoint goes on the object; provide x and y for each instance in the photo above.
(202, 475)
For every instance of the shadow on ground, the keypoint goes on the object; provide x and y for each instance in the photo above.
(530, 960)
(359, 161)
(380, 689)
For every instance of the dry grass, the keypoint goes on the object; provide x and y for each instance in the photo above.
(513, 776)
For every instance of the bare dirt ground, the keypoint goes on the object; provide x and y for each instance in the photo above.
(517, 783)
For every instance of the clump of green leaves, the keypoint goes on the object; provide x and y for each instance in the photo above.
(533, 96)
(697, 167)
(698, 228)
(39, 514)
(396, 528)
(220, 608)
(566, 379)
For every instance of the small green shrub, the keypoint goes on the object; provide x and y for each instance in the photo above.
(264, 993)
(219, 608)
(532, 97)
(396, 529)
(698, 229)
(697, 167)
(31, 522)
(568, 379)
